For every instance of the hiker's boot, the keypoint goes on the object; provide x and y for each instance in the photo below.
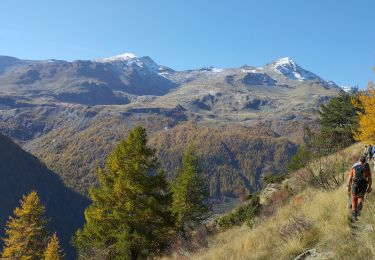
(354, 216)
(359, 209)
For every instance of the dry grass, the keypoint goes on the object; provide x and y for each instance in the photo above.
(312, 219)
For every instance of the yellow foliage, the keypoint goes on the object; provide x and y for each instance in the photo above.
(53, 250)
(25, 233)
(366, 129)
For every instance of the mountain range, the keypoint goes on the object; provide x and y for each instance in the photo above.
(246, 121)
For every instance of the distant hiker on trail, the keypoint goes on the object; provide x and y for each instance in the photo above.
(359, 183)
(370, 152)
(365, 152)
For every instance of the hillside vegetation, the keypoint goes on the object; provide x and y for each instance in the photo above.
(311, 219)
(21, 173)
(231, 156)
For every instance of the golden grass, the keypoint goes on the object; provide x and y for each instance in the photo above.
(329, 230)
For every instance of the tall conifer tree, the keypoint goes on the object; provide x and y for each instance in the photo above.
(26, 236)
(130, 215)
(338, 119)
(190, 193)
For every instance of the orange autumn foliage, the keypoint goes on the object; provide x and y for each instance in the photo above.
(366, 103)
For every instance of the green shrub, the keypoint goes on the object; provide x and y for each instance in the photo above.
(241, 215)
(274, 178)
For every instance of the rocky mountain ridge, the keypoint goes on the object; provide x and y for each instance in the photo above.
(70, 114)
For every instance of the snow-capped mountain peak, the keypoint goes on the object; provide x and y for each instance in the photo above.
(286, 64)
(131, 60)
(121, 57)
(286, 61)
(289, 68)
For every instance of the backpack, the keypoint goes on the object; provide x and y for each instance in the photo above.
(359, 174)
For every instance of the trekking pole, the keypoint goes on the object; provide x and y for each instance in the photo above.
(366, 194)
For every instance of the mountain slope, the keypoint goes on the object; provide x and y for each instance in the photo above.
(20, 173)
(232, 156)
(70, 114)
(313, 221)
(83, 82)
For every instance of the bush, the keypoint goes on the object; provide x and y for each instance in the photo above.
(300, 159)
(271, 178)
(241, 215)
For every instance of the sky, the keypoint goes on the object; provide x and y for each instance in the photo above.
(334, 39)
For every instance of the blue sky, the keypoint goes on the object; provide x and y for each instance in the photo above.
(334, 39)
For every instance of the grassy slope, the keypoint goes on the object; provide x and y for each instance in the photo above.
(328, 229)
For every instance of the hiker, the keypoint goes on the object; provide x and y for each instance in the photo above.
(359, 183)
(373, 152)
(369, 152)
(365, 152)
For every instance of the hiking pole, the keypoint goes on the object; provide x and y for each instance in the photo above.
(366, 194)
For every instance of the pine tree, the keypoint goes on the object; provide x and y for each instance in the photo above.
(26, 235)
(337, 120)
(130, 215)
(190, 193)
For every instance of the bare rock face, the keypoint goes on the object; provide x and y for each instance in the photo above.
(270, 189)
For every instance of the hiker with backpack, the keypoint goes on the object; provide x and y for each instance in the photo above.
(370, 152)
(359, 183)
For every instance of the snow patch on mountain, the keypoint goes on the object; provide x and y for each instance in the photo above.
(250, 70)
(346, 88)
(208, 69)
(217, 70)
(287, 67)
(121, 57)
(131, 60)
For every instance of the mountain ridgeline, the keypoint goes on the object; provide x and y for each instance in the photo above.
(246, 121)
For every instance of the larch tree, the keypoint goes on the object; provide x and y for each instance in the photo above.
(26, 235)
(53, 250)
(130, 215)
(366, 129)
(190, 193)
